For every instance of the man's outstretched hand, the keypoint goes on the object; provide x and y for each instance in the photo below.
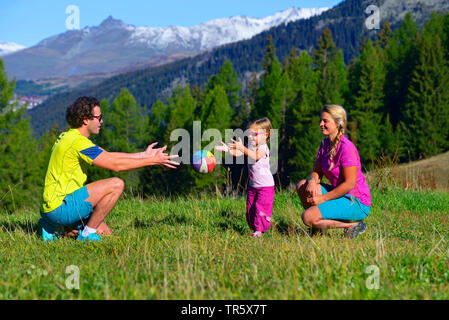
(150, 152)
(161, 158)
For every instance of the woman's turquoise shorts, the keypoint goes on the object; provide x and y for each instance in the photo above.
(345, 208)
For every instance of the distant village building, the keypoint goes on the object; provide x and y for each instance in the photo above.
(30, 101)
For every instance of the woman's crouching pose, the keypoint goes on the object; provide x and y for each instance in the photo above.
(347, 200)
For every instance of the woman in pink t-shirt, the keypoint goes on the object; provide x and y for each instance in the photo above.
(348, 197)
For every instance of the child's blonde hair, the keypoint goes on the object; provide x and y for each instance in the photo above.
(264, 124)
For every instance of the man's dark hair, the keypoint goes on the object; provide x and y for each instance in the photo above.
(80, 110)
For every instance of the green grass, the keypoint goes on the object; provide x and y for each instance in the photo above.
(199, 248)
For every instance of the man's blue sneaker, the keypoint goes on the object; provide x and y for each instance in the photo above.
(46, 235)
(50, 237)
(89, 237)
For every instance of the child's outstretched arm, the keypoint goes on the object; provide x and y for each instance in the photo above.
(225, 148)
(238, 146)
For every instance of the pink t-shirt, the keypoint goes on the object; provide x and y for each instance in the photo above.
(259, 171)
(346, 155)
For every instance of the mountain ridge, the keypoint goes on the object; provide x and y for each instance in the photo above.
(115, 45)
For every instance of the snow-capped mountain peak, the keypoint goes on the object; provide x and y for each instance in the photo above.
(9, 47)
(219, 31)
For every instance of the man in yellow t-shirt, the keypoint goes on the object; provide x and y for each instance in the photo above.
(67, 202)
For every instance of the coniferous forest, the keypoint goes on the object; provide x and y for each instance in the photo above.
(396, 94)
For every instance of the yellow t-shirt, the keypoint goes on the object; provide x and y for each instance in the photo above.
(66, 172)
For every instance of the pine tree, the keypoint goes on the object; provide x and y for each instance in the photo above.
(159, 120)
(199, 96)
(45, 144)
(446, 36)
(283, 96)
(427, 105)
(325, 56)
(384, 36)
(21, 177)
(6, 87)
(367, 101)
(216, 112)
(341, 78)
(246, 112)
(272, 73)
(400, 59)
(228, 79)
(292, 67)
(302, 125)
(156, 180)
(182, 110)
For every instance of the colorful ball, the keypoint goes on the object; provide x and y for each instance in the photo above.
(203, 161)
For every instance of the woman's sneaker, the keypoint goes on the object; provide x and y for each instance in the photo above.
(355, 230)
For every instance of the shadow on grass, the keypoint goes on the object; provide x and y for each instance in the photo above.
(223, 220)
(171, 220)
(229, 222)
(288, 229)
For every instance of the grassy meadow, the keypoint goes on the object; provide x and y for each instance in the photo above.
(199, 247)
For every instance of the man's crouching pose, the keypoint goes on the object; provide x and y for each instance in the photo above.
(69, 205)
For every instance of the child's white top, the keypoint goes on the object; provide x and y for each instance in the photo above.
(259, 171)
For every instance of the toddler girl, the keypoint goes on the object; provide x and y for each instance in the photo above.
(260, 197)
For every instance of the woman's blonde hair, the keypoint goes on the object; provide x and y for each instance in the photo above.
(263, 123)
(338, 114)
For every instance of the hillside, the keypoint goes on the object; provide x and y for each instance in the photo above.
(427, 174)
(431, 173)
(346, 21)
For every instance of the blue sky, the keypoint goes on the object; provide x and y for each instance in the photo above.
(27, 22)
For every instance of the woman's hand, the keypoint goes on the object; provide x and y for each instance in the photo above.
(311, 188)
(315, 200)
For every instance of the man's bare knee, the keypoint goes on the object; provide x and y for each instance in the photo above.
(118, 185)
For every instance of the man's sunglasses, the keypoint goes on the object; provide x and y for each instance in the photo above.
(99, 118)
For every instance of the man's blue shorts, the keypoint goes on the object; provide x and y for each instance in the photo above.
(73, 212)
(347, 207)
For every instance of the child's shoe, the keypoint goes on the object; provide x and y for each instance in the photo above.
(256, 234)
